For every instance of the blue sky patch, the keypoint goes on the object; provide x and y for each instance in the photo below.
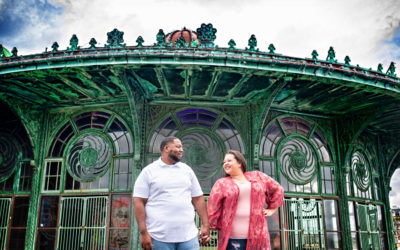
(18, 16)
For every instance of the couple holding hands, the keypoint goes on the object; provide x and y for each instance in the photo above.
(166, 191)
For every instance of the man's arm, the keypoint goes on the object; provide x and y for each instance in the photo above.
(140, 214)
(201, 208)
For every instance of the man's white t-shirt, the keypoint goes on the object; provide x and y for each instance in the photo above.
(169, 190)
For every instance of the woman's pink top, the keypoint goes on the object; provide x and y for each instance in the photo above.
(240, 225)
(223, 203)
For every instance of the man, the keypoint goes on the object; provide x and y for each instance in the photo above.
(163, 196)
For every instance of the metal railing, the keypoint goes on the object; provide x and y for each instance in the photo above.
(83, 223)
(5, 205)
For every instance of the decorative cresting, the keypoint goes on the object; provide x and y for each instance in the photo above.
(202, 153)
(298, 162)
(115, 39)
(361, 172)
(9, 155)
(207, 35)
(88, 156)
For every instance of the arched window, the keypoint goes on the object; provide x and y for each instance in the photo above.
(295, 152)
(205, 136)
(95, 148)
(91, 154)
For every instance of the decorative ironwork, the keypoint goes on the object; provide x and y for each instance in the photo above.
(252, 43)
(391, 70)
(331, 55)
(181, 42)
(115, 39)
(160, 38)
(347, 60)
(88, 156)
(380, 68)
(297, 160)
(83, 223)
(14, 52)
(74, 43)
(9, 156)
(231, 44)
(5, 208)
(361, 172)
(206, 35)
(55, 47)
(92, 43)
(271, 48)
(314, 55)
(140, 41)
(203, 154)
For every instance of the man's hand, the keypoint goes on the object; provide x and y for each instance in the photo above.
(204, 234)
(201, 208)
(145, 241)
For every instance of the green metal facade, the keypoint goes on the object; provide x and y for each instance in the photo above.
(78, 125)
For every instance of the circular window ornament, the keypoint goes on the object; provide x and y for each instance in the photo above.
(202, 154)
(360, 168)
(297, 160)
(9, 155)
(88, 156)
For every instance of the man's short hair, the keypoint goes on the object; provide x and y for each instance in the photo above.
(167, 140)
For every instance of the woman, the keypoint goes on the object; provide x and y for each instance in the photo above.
(236, 205)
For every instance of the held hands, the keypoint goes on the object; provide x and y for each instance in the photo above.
(269, 212)
(204, 236)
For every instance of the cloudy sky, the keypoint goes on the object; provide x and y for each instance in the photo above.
(366, 30)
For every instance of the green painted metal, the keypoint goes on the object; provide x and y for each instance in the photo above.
(83, 223)
(353, 108)
(369, 232)
(5, 209)
(303, 224)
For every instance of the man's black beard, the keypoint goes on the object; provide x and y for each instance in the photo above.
(174, 158)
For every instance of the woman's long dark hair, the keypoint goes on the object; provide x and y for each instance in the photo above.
(239, 158)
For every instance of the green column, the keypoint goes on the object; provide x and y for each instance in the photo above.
(36, 183)
(385, 195)
(342, 192)
(388, 215)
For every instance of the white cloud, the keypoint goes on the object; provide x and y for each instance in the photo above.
(394, 195)
(357, 28)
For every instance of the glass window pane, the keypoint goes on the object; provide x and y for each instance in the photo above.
(45, 239)
(119, 239)
(120, 211)
(354, 241)
(331, 215)
(48, 211)
(352, 216)
(384, 243)
(275, 240)
(334, 240)
(273, 221)
(18, 239)
(21, 206)
(381, 221)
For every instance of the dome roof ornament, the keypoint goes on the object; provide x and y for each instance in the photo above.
(184, 34)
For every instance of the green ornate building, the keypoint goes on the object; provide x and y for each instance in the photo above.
(78, 125)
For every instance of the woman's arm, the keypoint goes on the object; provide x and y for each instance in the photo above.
(215, 203)
(274, 193)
